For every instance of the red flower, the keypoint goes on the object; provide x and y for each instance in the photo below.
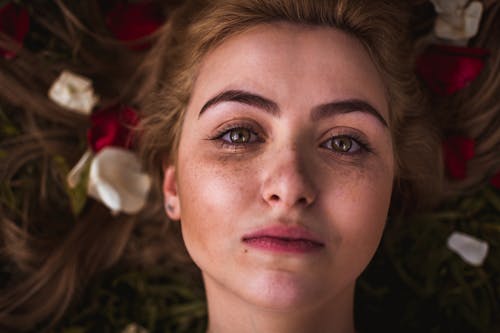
(457, 151)
(15, 23)
(447, 69)
(112, 126)
(495, 181)
(131, 21)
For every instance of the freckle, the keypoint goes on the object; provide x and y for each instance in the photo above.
(245, 250)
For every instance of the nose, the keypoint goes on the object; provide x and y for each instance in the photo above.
(287, 181)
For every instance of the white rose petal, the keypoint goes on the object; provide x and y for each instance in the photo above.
(455, 22)
(472, 250)
(449, 6)
(73, 92)
(75, 175)
(117, 181)
(134, 328)
(472, 18)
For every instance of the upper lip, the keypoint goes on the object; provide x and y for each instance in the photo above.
(284, 232)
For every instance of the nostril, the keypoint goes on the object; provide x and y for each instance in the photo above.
(302, 201)
(274, 197)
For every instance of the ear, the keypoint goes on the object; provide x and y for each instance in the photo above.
(172, 203)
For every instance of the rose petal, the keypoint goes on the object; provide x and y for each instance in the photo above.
(495, 180)
(447, 69)
(472, 17)
(134, 328)
(448, 6)
(456, 23)
(112, 126)
(133, 21)
(15, 23)
(75, 175)
(117, 181)
(472, 250)
(73, 92)
(457, 151)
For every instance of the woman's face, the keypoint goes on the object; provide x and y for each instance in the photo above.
(285, 166)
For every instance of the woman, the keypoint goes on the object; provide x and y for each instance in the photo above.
(279, 134)
(294, 121)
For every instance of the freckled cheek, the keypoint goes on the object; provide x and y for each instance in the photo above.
(358, 205)
(215, 194)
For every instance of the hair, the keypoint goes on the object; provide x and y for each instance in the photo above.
(52, 255)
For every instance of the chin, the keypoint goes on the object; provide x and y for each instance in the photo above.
(283, 291)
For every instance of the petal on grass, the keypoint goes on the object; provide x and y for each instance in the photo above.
(472, 250)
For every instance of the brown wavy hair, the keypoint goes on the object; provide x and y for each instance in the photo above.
(51, 253)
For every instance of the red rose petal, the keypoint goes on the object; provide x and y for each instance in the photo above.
(447, 69)
(132, 21)
(495, 180)
(14, 22)
(112, 126)
(457, 151)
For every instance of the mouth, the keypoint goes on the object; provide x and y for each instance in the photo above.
(288, 239)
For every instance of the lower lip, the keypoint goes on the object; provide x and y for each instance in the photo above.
(275, 244)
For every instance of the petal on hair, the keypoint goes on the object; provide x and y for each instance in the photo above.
(75, 175)
(15, 23)
(472, 250)
(495, 180)
(134, 328)
(117, 181)
(73, 92)
(131, 22)
(456, 22)
(112, 126)
(457, 152)
(447, 69)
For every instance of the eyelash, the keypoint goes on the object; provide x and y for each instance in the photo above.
(364, 146)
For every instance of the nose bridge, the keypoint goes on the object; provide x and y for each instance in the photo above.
(288, 180)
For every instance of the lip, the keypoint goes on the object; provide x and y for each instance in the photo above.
(281, 238)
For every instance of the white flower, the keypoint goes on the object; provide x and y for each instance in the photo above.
(117, 181)
(73, 92)
(472, 250)
(456, 22)
(134, 328)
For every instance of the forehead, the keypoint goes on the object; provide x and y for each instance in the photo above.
(294, 65)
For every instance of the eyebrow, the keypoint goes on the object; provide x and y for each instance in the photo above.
(319, 112)
(346, 106)
(243, 97)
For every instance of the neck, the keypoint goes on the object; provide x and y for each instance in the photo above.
(229, 313)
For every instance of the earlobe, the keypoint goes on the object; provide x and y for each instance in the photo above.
(170, 194)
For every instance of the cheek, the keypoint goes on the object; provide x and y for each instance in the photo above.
(214, 196)
(358, 208)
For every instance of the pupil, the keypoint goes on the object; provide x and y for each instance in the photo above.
(343, 144)
(240, 135)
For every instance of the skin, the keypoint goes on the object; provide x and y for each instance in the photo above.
(288, 173)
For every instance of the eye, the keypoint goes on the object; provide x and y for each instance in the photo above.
(239, 135)
(342, 144)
